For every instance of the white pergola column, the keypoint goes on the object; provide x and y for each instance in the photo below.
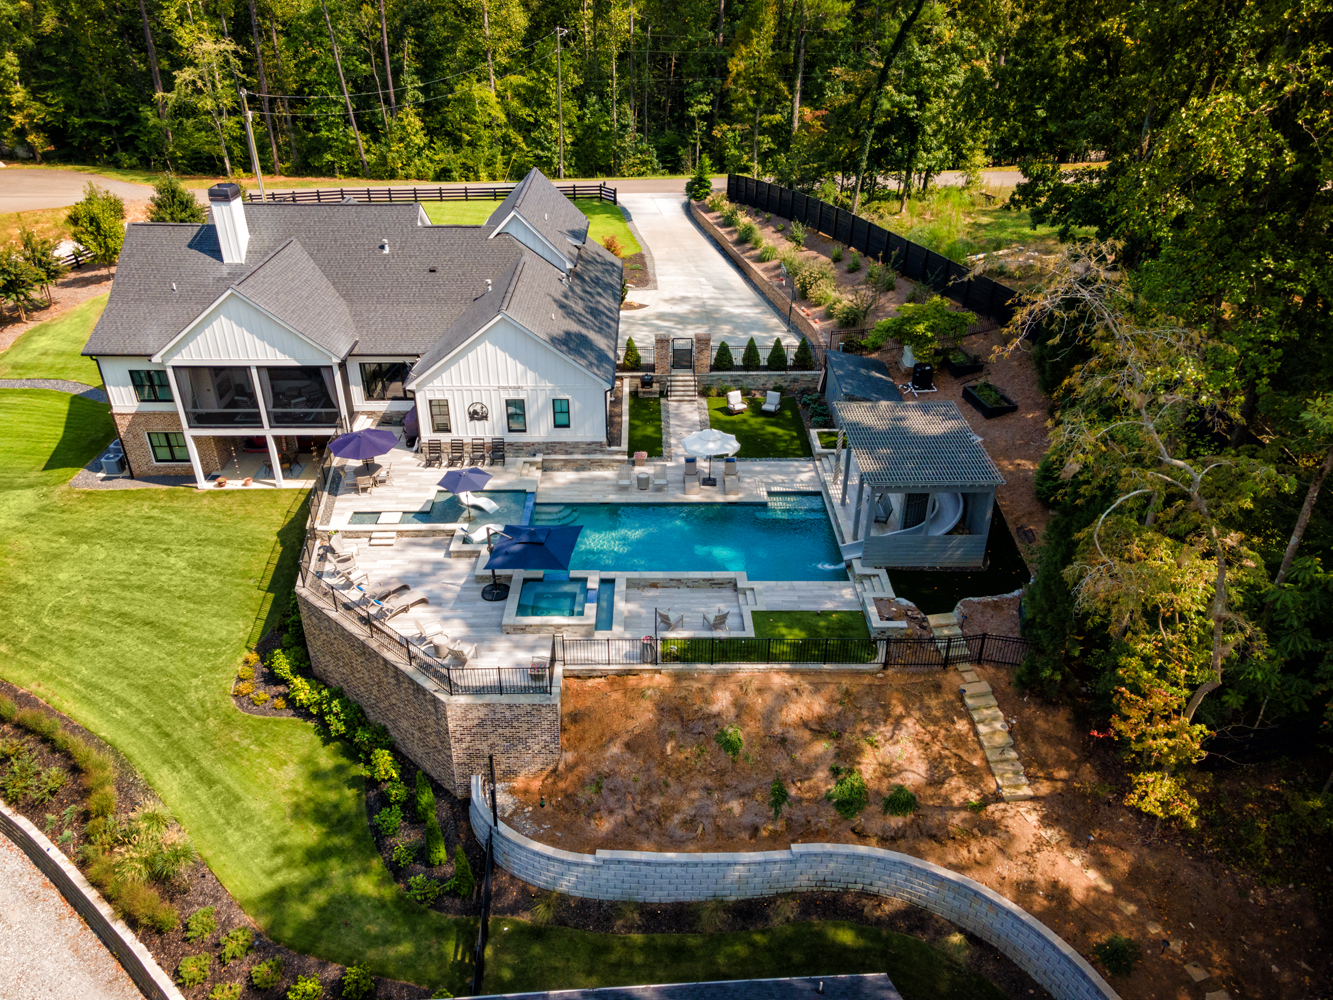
(194, 460)
(273, 458)
(856, 516)
(846, 472)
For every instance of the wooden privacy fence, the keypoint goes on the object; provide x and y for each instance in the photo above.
(385, 195)
(948, 277)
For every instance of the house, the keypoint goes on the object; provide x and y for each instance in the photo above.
(925, 486)
(276, 326)
(854, 378)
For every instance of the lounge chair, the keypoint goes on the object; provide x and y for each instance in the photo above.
(731, 485)
(364, 484)
(457, 454)
(432, 453)
(480, 535)
(735, 404)
(432, 633)
(497, 451)
(717, 623)
(481, 503)
(691, 484)
(772, 402)
(666, 622)
(342, 551)
(463, 652)
(477, 452)
(659, 480)
(375, 589)
(397, 603)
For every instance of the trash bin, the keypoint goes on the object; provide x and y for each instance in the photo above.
(648, 652)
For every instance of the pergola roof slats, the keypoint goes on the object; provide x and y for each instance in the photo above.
(916, 447)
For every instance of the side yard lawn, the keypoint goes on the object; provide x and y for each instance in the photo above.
(604, 218)
(51, 349)
(780, 435)
(645, 426)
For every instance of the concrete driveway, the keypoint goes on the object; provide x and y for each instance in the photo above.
(26, 190)
(698, 288)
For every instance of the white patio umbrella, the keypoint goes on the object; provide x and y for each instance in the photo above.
(710, 442)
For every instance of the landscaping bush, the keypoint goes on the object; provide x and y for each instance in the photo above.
(900, 802)
(823, 292)
(923, 326)
(716, 201)
(854, 263)
(259, 698)
(7, 709)
(202, 923)
(836, 254)
(722, 361)
(171, 202)
(244, 688)
(267, 975)
(777, 358)
(632, 360)
(97, 223)
(236, 945)
(613, 244)
(383, 768)
(746, 231)
(700, 185)
(1118, 954)
(852, 312)
(396, 792)
(358, 983)
(425, 797)
(463, 882)
(768, 251)
(881, 278)
(280, 703)
(142, 906)
(777, 796)
(729, 741)
(305, 988)
(389, 820)
(730, 214)
(804, 359)
(750, 360)
(225, 991)
(919, 293)
(404, 854)
(848, 794)
(988, 393)
(797, 233)
(544, 910)
(712, 914)
(246, 673)
(436, 851)
(423, 889)
(812, 275)
(194, 969)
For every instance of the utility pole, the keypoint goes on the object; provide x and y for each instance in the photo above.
(250, 135)
(559, 101)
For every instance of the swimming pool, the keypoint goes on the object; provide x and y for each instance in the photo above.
(448, 509)
(788, 538)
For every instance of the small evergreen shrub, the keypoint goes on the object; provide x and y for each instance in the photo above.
(848, 794)
(700, 184)
(244, 689)
(194, 970)
(280, 703)
(463, 881)
(729, 741)
(250, 659)
(854, 263)
(388, 820)
(201, 924)
(632, 360)
(225, 991)
(424, 889)
(836, 254)
(259, 698)
(436, 851)
(396, 791)
(425, 797)
(777, 358)
(777, 796)
(236, 945)
(750, 360)
(246, 673)
(1118, 954)
(722, 360)
(281, 666)
(804, 359)
(267, 975)
(900, 802)
(358, 983)
(305, 988)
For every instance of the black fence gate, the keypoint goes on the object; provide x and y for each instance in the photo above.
(682, 353)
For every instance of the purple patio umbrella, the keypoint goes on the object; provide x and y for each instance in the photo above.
(458, 481)
(363, 445)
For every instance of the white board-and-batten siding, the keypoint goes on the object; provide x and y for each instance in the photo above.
(517, 227)
(236, 332)
(119, 388)
(506, 362)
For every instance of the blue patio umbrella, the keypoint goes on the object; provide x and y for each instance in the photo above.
(363, 445)
(524, 546)
(458, 481)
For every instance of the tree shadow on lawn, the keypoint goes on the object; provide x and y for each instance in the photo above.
(87, 429)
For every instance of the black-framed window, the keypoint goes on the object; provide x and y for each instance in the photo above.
(384, 380)
(151, 386)
(439, 416)
(517, 413)
(168, 446)
(560, 412)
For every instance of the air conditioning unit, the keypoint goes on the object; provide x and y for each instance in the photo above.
(113, 465)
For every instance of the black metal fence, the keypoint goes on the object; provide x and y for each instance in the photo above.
(386, 195)
(948, 277)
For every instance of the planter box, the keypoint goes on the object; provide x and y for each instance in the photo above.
(972, 366)
(986, 410)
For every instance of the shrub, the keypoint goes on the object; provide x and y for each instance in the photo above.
(102, 802)
(729, 741)
(142, 905)
(396, 791)
(804, 359)
(250, 659)
(267, 975)
(730, 213)
(781, 226)
(796, 233)
(712, 914)
(746, 231)
(97, 223)
(244, 688)
(236, 945)
(194, 969)
(201, 924)
(388, 821)
(700, 184)
(225, 991)
(424, 889)
(613, 244)
(880, 277)
(768, 251)
(463, 881)
(988, 393)
(632, 359)
(853, 311)
(716, 200)
(436, 851)
(281, 666)
(1119, 954)
(280, 703)
(383, 768)
(900, 802)
(8, 709)
(544, 910)
(305, 988)
(246, 673)
(777, 358)
(425, 797)
(811, 275)
(259, 698)
(722, 361)
(854, 263)
(750, 357)
(923, 327)
(848, 794)
(404, 854)
(171, 202)
(358, 983)
(777, 796)
(836, 254)
(920, 293)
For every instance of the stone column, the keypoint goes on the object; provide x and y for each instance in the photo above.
(703, 353)
(662, 356)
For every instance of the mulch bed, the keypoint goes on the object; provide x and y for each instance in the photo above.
(636, 271)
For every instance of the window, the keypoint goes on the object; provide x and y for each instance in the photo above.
(151, 387)
(518, 416)
(168, 447)
(384, 380)
(560, 411)
(439, 416)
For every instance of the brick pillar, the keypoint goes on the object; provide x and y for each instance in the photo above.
(703, 353)
(662, 356)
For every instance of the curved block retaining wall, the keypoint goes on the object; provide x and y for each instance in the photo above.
(672, 878)
(129, 951)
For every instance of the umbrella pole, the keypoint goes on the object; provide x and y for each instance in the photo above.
(708, 479)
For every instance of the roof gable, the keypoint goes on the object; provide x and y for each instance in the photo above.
(292, 288)
(548, 212)
(235, 329)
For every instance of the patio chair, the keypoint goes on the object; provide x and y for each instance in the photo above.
(772, 402)
(364, 484)
(477, 454)
(397, 603)
(341, 548)
(456, 453)
(735, 404)
(717, 623)
(659, 480)
(432, 633)
(385, 476)
(497, 451)
(623, 474)
(376, 590)
(480, 534)
(463, 652)
(667, 623)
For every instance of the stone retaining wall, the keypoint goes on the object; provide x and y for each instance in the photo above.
(663, 878)
(762, 380)
(128, 950)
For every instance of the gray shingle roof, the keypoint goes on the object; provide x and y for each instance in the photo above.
(546, 210)
(916, 446)
(874, 986)
(292, 288)
(866, 378)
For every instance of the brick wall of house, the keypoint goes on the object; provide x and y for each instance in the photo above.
(133, 429)
(448, 736)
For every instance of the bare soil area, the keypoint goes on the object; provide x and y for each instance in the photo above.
(74, 289)
(641, 771)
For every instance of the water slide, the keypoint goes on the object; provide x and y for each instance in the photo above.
(946, 512)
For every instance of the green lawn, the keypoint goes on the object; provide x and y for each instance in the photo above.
(51, 349)
(781, 435)
(645, 426)
(604, 218)
(810, 624)
(828, 439)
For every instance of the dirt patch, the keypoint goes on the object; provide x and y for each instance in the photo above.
(638, 271)
(892, 610)
(996, 615)
(74, 289)
(641, 771)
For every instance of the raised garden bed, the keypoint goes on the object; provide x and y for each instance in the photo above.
(960, 364)
(988, 400)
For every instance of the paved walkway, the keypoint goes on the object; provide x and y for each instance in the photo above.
(47, 952)
(57, 385)
(698, 288)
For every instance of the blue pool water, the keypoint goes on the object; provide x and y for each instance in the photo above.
(606, 604)
(448, 509)
(788, 538)
(552, 597)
